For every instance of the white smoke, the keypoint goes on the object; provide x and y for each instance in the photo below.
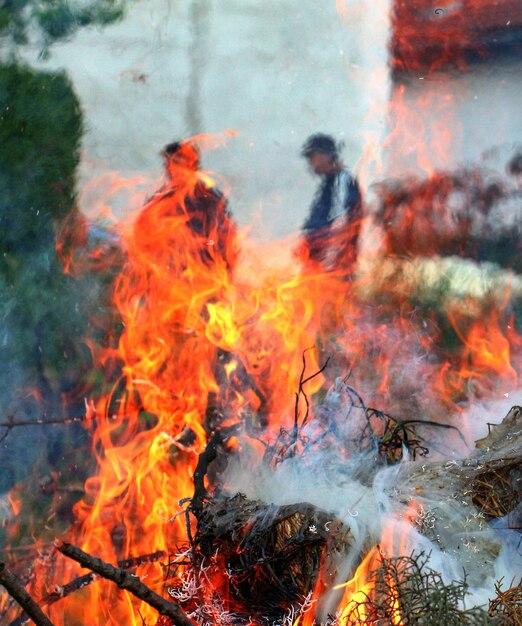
(371, 499)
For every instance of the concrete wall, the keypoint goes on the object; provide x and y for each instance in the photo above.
(456, 118)
(273, 70)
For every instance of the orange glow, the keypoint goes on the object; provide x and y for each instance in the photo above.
(486, 356)
(354, 607)
(357, 590)
(215, 326)
(15, 503)
(430, 36)
(203, 325)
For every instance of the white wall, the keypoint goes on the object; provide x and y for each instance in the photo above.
(273, 70)
(469, 117)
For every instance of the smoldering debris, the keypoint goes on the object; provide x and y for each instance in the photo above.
(263, 554)
(266, 546)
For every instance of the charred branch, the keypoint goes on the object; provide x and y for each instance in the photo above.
(205, 459)
(127, 581)
(17, 591)
(82, 581)
(11, 423)
(301, 393)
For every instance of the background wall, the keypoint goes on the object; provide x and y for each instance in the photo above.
(273, 70)
(454, 118)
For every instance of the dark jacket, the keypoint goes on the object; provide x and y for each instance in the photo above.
(338, 196)
(207, 215)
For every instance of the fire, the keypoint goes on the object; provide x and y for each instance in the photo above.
(437, 35)
(213, 337)
(201, 332)
(15, 503)
(488, 349)
(357, 590)
(354, 607)
(488, 354)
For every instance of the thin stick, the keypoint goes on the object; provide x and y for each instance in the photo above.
(11, 423)
(86, 579)
(126, 581)
(17, 591)
(82, 581)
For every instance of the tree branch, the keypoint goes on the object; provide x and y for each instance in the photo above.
(17, 591)
(82, 581)
(127, 581)
(11, 423)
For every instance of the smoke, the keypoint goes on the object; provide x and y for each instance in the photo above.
(408, 507)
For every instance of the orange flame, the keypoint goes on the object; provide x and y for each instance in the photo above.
(202, 331)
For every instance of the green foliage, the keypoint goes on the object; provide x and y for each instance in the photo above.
(407, 589)
(54, 19)
(43, 319)
(40, 133)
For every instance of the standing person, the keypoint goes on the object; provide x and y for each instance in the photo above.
(333, 225)
(514, 169)
(189, 192)
(205, 204)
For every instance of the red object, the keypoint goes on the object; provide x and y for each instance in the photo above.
(435, 34)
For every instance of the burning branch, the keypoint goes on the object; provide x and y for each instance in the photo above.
(125, 580)
(301, 392)
(17, 591)
(82, 581)
(205, 459)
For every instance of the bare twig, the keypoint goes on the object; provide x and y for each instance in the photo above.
(301, 392)
(11, 423)
(17, 591)
(127, 581)
(82, 581)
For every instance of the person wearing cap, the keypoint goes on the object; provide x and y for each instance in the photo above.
(332, 228)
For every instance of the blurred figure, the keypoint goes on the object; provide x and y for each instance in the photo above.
(514, 169)
(209, 218)
(206, 206)
(333, 225)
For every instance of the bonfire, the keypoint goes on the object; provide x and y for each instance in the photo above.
(284, 451)
(281, 443)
